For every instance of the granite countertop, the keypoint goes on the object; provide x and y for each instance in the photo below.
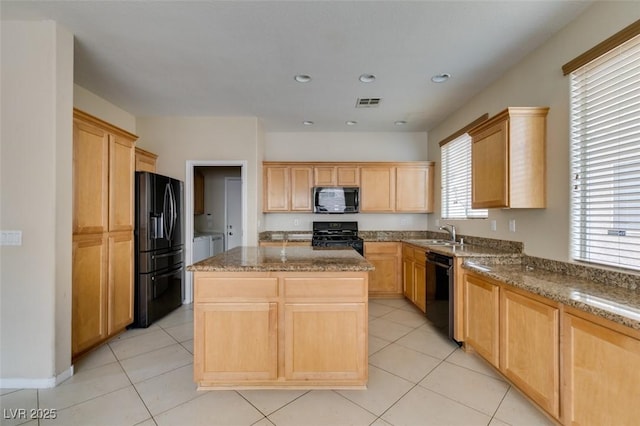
(295, 258)
(463, 250)
(618, 304)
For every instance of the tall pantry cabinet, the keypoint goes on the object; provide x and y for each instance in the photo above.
(103, 217)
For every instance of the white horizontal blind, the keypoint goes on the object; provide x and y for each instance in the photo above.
(456, 180)
(605, 158)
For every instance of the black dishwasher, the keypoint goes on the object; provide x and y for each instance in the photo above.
(440, 292)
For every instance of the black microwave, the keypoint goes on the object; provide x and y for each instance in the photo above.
(336, 199)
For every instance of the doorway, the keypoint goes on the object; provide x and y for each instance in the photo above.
(215, 198)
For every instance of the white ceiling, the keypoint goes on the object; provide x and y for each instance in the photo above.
(239, 58)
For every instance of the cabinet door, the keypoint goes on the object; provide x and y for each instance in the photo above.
(601, 374)
(530, 348)
(120, 281)
(276, 189)
(121, 175)
(145, 161)
(90, 178)
(481, 320)
(385, 279)
(407, 278)
(89, 300)
(348, 176)
(490, 167)
(378, 189)
(420, 280)
(198, 193)
(324, 176)
(325, 341)
(301, 184)
(235, 341)
(413, 189)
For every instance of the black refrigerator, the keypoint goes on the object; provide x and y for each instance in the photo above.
(159, 247)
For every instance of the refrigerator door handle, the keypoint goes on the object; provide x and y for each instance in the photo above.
(166, 208)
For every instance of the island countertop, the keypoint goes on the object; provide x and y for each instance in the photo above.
(294, 258)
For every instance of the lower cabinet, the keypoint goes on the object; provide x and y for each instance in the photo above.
(580, 368)
(322, 341)
(102, 288)
(601, 372)
(481, 316)
(530, 347)
(228, 353)
(280, 329)
(386, 257)
(414, 275)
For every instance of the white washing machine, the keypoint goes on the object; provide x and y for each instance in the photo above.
(201, 247)
(217, 243)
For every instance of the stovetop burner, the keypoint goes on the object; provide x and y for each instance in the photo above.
(327, 234)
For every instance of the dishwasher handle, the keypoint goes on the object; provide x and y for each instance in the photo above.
(440, 260)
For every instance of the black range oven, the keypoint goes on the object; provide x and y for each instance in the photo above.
(337, 234)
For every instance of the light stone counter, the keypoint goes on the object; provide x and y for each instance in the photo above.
(294, 258)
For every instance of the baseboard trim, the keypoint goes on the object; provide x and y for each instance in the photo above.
(21, 383)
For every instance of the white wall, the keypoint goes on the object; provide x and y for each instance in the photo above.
(345, 146)
(538, 81)
(103, 109)
(36, 198)
(177, 140)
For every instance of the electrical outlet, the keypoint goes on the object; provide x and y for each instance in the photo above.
(404, 221)
(512, 225)
(437, 222)
(494, 226)
(11, 238)
(296, 222)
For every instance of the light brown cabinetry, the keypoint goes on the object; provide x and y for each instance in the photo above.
(329, 175)
(530, 347)
(386, 257)
(287, 188)
(280, 329)
(198, 192)
(102, 266)
(384, 187)
(508, 160)
(145, 161)
(481, 316)
(413, 189)
(414, 275)
(601, 371)
(377, 189)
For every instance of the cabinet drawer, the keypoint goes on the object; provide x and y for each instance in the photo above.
(381, 248)
(218, 288)
(319, 288)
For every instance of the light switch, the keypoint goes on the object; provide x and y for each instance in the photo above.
(10, 238)
(493, 225)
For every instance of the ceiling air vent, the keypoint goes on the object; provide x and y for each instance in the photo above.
(368, 102)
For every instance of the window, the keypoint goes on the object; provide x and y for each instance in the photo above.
(605, 158)
(456, 180)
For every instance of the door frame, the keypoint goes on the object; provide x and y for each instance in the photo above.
(188, 212)
(226, 205)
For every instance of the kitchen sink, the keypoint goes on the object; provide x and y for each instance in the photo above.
(440, 242)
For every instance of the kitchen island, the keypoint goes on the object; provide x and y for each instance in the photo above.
(281, 317)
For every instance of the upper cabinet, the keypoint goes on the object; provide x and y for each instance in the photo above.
(508, 160)
(403, 187)
(287, 187)
(331, 175)
(145, 161)
(198, 192)
(396, 187)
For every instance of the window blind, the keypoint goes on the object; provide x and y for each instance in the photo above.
(605, 158)
(456, 180)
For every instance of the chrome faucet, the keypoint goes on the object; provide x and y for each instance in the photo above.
(451, 230)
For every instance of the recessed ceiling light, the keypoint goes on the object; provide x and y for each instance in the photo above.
(399, 122)
(307, 123)
(440, 78)
(302, 78)
(367, 78)
(350, 123)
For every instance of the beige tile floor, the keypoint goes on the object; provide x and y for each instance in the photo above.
(416, 377)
